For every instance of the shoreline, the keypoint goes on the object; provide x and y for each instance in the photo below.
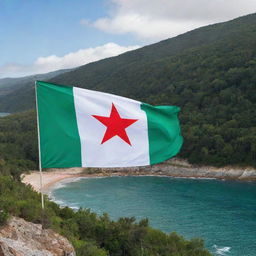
(174, 168)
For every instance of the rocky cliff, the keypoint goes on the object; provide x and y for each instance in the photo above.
(21, 238)
(181, 168)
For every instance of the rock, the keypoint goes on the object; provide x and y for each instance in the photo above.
(21, 238)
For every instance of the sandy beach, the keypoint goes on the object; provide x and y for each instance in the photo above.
(53, 176)
(49, 178)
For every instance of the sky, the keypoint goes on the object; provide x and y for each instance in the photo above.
(39, 36)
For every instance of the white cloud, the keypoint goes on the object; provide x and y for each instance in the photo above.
(145, 27)
(160, 19)
(70, 60)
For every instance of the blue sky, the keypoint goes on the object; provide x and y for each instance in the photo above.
(42, 28)
(38, 36)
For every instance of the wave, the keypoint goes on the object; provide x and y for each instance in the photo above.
(57, 201)
(223, 251)
(74, 206)
(63, 183)
(194, 178)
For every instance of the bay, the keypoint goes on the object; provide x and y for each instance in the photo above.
(223, 213)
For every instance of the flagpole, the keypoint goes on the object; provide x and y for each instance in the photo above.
(39, 151)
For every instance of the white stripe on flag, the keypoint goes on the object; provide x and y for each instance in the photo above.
(115, 152)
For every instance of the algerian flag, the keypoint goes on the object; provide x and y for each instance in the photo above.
(84, 128)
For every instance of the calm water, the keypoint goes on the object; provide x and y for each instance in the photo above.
(2, 114)
(223, 213)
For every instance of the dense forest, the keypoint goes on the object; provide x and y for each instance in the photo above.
(10, 89)
(208, 72)
(18, 144)
(90, 234)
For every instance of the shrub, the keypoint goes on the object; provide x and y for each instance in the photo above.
(3, 217)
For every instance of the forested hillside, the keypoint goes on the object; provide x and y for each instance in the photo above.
(18, 144)
(208, 72)
(16, 93)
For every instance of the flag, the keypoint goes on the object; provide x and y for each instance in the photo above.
(85, 128)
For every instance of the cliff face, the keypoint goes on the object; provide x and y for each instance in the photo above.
(229, 173)
(180, 168)
(21, 238)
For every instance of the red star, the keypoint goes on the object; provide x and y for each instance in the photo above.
(115, 125)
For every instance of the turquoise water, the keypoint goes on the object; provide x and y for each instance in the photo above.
(223, 213)
(2, 114)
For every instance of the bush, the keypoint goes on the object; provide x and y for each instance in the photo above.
(3, 217)
(91, 250)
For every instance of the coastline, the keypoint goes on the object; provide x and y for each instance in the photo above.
(172, 168)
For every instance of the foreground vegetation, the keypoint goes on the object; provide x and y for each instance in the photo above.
(90, 234)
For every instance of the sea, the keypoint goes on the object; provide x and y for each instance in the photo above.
(2, 114)
(222, 213)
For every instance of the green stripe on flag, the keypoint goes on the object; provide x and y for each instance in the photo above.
(59, 138)
(164, 135)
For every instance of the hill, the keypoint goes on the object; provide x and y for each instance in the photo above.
(10, 98)
(130, 74)
(208, 72)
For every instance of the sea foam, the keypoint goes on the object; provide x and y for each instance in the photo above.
(223, 251)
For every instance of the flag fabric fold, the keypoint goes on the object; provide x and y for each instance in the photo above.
(85, 128)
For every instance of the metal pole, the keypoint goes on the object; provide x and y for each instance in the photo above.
(39, 151)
